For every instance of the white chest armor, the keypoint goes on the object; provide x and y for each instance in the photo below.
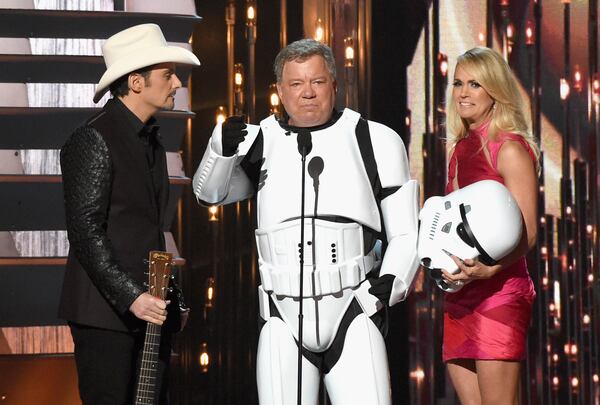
(344, 186)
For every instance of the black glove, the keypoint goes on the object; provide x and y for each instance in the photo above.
(233, 132)
(381, 287)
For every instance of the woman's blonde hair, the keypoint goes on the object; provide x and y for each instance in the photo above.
(494, 75)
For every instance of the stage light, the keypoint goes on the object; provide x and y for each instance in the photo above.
(348, 52)
(238, 88)
(595, 378)
(574, 382)
(212, 213)
(596, 88)
(220, 116)
(210, 291)
(574, 349)
(510, 30)
(564, 88)
(586, 319)
(529, 33)
(577, 85)
(273, 99)
(319, 30)
(250, 12)
(417, 374)
(443, 63)
(555, 382)
(238, 69)
(204, 357)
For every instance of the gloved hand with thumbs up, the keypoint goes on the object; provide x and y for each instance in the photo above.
(233, 133)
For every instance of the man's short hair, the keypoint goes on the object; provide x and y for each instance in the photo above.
(120, 87)
(300, 51)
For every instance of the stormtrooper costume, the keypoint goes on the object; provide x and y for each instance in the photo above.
(343, 217)
(481, 220)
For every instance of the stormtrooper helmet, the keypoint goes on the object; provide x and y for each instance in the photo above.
(481, 220)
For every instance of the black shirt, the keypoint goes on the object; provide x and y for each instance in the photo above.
(149, 137)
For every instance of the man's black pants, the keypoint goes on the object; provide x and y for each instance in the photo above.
(107, 364)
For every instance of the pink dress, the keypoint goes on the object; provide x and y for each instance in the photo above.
(487, 319)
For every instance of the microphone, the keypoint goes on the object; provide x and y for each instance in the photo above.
(304, 142)
(315, 168)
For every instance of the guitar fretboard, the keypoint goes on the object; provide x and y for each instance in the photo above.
(149, 366)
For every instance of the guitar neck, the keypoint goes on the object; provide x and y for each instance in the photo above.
(149, 366)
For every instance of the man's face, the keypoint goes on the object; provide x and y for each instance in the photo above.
(159, 88)
(307, 91)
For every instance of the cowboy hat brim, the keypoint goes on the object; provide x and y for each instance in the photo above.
(141, 59)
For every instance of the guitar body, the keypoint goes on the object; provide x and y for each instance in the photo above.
(159, 274)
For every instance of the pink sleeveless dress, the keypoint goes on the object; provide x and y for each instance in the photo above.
(487, 319)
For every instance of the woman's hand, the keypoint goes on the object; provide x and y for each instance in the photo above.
(470, 269)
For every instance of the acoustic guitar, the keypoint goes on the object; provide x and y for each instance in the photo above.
(159, 274)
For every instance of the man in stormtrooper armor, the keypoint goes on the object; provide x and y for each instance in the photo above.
(358, 191)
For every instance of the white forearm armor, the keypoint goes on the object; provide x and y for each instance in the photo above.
(400, 212)
(219, 179)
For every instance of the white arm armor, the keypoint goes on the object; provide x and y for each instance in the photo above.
(400, 210)
(219, 179)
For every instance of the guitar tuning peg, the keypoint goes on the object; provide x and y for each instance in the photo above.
(146, 285)
(146, 261)
(146, 272)
(170, 289)
(172, 276)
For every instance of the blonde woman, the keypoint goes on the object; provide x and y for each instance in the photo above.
(486, 322)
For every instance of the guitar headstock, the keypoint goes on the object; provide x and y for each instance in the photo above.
(159, 273)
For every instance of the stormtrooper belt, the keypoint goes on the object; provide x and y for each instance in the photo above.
(334, 257)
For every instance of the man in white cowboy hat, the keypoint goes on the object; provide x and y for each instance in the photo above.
(116, 191)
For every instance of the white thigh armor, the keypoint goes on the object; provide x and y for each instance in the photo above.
(334, 267)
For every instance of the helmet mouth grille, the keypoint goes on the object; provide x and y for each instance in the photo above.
(434, 226)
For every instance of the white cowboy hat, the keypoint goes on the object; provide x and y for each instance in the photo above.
(135, 48)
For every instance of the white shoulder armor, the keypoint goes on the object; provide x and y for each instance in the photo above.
(390, 155)
(219, 179)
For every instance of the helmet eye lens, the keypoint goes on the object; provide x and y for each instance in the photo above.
(462, 234)
(446, 228)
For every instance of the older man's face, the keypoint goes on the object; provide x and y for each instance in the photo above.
(307, 91)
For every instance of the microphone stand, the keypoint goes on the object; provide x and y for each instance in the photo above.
(304, 143)
(300, 313)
